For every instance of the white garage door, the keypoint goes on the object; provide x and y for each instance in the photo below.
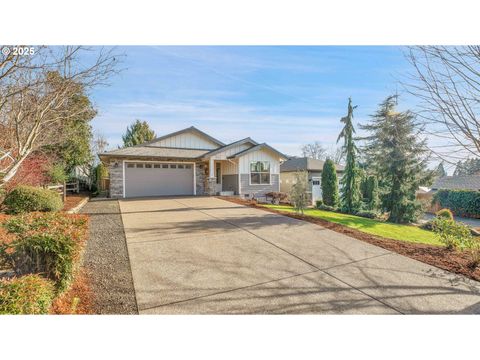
(158, 179)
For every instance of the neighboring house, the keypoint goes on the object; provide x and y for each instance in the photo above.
(465, 182)
(191, 162)
(314, 169)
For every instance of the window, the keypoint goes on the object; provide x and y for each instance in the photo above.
(164, 166)
(140, 166)
(188, 166)
(173, 166)
(156, 166)
(316, 182)
(148, 166)
(260, 172)
(130, 165)
(180, 166)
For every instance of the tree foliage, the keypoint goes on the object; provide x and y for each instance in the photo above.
(330, 184)
(138, 133)
(467, 167)
(314, 150)
(350, 182)
(440, 170)
(370, 192)
(399, 158)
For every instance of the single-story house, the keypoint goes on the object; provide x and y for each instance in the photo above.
(314, 169)
(464, 182)
(191, 162)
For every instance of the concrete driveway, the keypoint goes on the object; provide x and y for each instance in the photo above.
(203, 255)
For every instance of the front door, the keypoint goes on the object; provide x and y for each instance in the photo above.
(316, 189)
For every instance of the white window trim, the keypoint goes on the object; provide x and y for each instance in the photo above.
(250, 173)
(164, 162)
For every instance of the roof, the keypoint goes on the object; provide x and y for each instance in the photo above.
(467, 182)
(305, 163)
(189, 129)
(258, 147)
(226, 147)
(155, 151)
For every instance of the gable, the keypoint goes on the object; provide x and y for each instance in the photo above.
(229, 151)
(262, 154)
(187, 140)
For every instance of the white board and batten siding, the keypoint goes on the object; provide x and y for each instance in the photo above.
(259, 155)
(231, 151)
(187, 141)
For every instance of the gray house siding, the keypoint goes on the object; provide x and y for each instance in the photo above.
(258, 190)
(230, 183)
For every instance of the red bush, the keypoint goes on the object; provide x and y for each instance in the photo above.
(33, 171)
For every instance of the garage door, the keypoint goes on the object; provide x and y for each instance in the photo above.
(157, 179)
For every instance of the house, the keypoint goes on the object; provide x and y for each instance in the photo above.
(464, 182)
(191, 162)
(314, 169)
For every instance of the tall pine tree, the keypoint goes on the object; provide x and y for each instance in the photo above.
(440, 171)
(350, 182)
(138, 133)
(399, 157)
(329, 184)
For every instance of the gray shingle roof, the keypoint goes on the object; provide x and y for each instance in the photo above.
(305, 163)
(467, 182)
(155, 151)
(258, 147)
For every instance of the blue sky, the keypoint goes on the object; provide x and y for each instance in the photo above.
(286, 95)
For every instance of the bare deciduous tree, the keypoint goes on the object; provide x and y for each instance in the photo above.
(314, 150)
(446, 80)
(38, 97)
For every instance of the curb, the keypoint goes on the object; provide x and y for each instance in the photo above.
(77, 208)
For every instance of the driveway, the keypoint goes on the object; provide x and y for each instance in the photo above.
(203, 255)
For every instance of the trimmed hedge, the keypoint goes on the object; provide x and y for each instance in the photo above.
(31, 294)
(30, 198)
(47, 243)
(460, 202)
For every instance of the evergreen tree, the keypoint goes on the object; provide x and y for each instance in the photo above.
(138, 133)
(440, 171)
(399, 157)
(370, 192)
(329, 184)
(467, 167)
(350, 182)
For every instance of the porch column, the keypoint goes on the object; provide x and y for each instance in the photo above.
(211, 177)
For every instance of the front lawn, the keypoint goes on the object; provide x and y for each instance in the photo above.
(387, 230)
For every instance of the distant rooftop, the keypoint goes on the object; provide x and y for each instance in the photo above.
(467, 182)
(305, 163)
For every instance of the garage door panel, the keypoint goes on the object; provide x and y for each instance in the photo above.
(144, 179)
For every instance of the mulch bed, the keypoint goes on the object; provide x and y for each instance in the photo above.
(73, 200)
(453, 261)
(77, 300)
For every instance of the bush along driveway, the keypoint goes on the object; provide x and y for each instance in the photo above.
(411, 241)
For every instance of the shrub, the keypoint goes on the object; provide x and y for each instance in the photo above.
(472, 244)
(450, 233)
(277, 196)
(369, 214)
(326, 208)
(329, 184)
(47, 243)
(29, 198)
(31, 294)
(318, 203)
(460, 202)
(444, 214)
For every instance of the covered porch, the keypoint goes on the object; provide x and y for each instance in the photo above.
(222, 177)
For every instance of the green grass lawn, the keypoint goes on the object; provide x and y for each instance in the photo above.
(388, 230)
